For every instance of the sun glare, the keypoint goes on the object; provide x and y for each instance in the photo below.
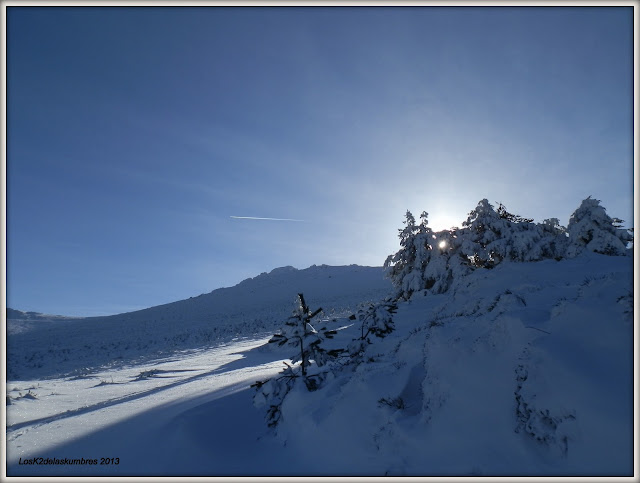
(442, 245)
(439, 221)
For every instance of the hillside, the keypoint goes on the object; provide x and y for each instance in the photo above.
(40, 346)
(501, 348)
(524, 369)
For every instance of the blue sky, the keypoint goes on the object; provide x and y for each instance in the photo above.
(136, 134)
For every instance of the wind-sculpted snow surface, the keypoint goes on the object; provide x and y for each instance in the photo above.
(524, 369)
(40, 346)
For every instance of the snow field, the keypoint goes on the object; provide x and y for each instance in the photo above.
(66, 410)
(524, 369)
(138, 384)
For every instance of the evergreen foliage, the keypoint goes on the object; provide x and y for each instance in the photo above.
(401, 265)
(299, 334)
(431, 261)
(377, 319)
(271, 393)
(503, 213)
(590, 228)
(305, 341)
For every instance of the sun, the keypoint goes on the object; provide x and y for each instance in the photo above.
(442, 245)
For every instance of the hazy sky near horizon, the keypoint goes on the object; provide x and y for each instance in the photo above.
(142, 141)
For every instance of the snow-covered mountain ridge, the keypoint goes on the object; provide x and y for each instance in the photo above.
(40, 346)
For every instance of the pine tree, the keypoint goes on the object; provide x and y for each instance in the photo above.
(482, 229)
(422, 242)
(438, 273)
(591, 229)
(495, 236)
(400, 267)
(300, 334)
(552, 243)
(427, 260)
(377, 319)
(431, 261)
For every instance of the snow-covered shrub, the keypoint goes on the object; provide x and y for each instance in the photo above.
(377, 319)
(590, 228)
(271, 393)
(551, 429)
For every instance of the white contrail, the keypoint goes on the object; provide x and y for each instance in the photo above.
(260, 218)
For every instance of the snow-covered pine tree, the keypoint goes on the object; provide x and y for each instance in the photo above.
(482, 229)
(489, 237)
(590, 228)
(432, 261)
(305, 342)
(444, 262)
(436, 258)
(552, 243)
(422, 240)
(298, 333)
(377, 319)
(426, 260)
(449, 242)
(400, 267)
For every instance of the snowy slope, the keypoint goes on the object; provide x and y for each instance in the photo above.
(524, 369)
(40, 346)
(138, 414)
